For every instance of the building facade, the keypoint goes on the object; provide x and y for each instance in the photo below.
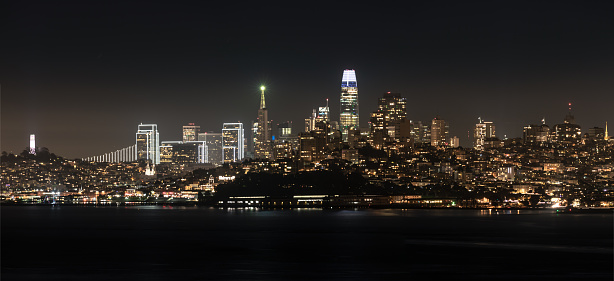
(179, 152)
(348, 114)
(321, 114)
(213, 142)
(420, 132)
(262, 131)
(386, 122)
(439, 132)
(190, 132)
(568, 133)
(536, 134)
(596, 133)
(482, 131)
(233, 141)
(148, 143)
(284, 129)
(454, 142)
(324, 112)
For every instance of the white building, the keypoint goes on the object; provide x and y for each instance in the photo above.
(233, 142)
(148, 143)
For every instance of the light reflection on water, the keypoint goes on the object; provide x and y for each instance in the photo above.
(336, 211)
(182, 242)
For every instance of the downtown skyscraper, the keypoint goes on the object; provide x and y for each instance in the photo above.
(233, 142)
(483, 131)
(348, 114)
(439, 132)
(262, 132)
(148, 143)
(388, 119)
(213, 142)
(190, 132)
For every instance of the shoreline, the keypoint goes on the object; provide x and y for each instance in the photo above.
(344, 207)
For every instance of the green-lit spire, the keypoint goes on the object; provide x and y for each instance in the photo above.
(262, 105)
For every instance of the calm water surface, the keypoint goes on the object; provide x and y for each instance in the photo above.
(192, 243)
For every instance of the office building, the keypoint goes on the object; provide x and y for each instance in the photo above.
(319, 115)
(233, 141)
(454, 142)
(285, 148)
(419, 132)
(285, 145)
(314, 143)
(348, 114)
(262, 131)
(213, 143)
(483, 130)
(568, 133)
(324, 112)
(310, 123)
(386, 121)
(148, 143)
(307, 146)
(536, 134)
(596, 133)
(393, 106)
(400, 130)
(284, 129)
(439, 132)
(179, 152)
(190, 132)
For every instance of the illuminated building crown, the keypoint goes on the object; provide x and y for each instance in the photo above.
(349, 78)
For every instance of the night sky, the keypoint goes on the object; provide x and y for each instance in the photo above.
(82, 75)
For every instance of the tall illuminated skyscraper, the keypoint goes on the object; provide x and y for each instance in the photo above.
(233, 142)
(190, 132)
(324, 112)
(213, 142)
(420, 132)
(262, 131)
(348, 116)
(388, 118)
(319, 115)
(394, 107)
(148, 143)
(439, 132)
(483, 131)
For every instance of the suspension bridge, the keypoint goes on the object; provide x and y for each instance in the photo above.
(126, 154)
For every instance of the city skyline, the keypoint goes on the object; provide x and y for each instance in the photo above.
(81, 93)
(467, 141)
(260, 140)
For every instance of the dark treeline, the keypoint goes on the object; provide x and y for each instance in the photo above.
(42, 155)
(334, 183)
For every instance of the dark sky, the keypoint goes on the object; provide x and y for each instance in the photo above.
(82, 75)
